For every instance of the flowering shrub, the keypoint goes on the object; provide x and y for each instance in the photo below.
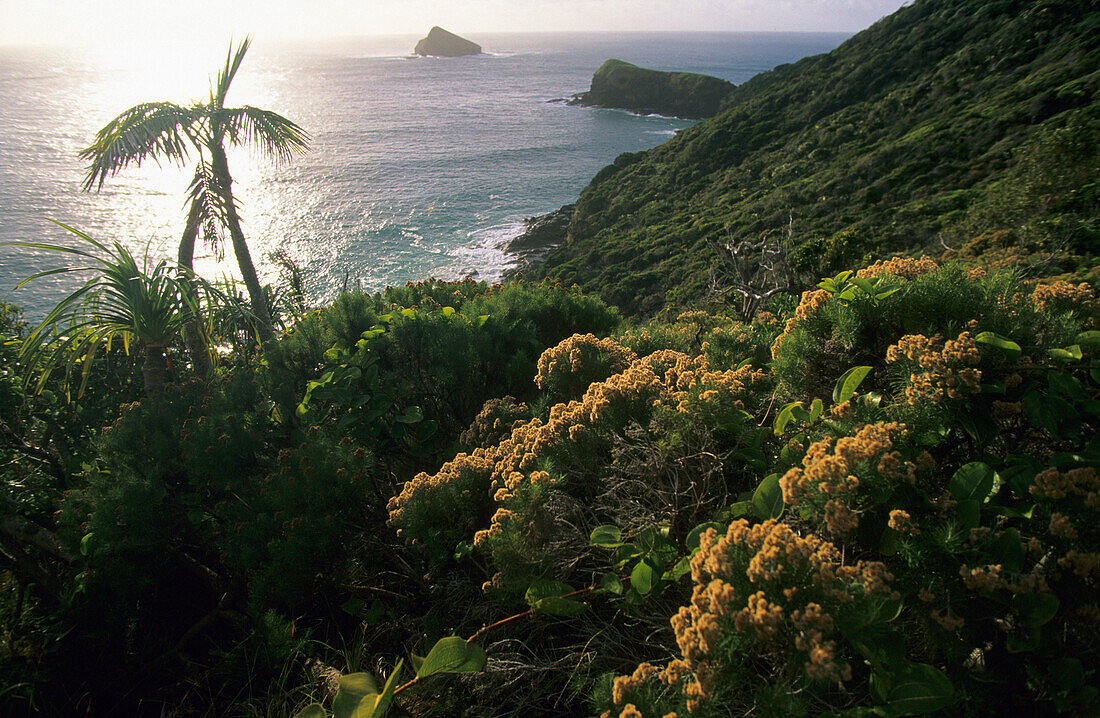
(961, 488)
(565, 370)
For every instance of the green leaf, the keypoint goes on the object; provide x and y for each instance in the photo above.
(1009, 551)
(785, 416)
(645, 575)
(543, 589)
(376, 706)
(1090, 339)
(353, 688)
(816, 409)
(452, 655)
(692, 539)
(411, 415)
(864, 284)
(969, 513)
(996, 340)
(972, 481)
(767, 500)
(448, 311)
(1072, 353)
(610, 583)
(1035, 609)
(482, 319)
(607, 536)
(740, 509)
(86, 543)
(681, 569)
(848, 382)
(558, 606)
(917, 689)
(313, 710)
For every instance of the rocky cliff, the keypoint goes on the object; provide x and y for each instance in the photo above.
(441, 43)
(676, 94)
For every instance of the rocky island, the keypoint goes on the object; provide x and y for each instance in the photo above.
(621, 85)
(441, 43)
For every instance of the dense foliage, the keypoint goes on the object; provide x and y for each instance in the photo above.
(451, 498)
(968, 122)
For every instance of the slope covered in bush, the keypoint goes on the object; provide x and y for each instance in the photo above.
(948, 120)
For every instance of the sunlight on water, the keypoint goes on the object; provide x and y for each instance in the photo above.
(418, 166)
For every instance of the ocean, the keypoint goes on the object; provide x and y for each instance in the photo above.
(418, 166)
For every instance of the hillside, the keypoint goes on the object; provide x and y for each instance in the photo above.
(948, 120)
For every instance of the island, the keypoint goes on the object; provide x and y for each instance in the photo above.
(441, 43)
(621, 85)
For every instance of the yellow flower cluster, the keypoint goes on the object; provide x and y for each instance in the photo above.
(786, 568)
(1053, 484)
(497, 419)
(464, 473)
(902, 522)
(947, 366)
(1059, 295)
(991, 578)
(831, 475)
(810, 304)
(573, 357)
(900, 267)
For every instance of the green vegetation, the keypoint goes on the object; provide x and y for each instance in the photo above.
(677, 94)
(451, 498)
(950, 120)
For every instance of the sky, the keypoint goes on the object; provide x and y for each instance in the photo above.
(111, 22)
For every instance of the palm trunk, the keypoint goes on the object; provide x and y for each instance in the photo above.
(193, 333)
(155, 370)
(240, 247)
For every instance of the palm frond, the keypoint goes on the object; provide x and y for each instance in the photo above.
(151, 130)
(269, 131)
(233, 62)
(205, 194)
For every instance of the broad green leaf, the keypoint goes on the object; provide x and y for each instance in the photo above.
(848, 382)
(1072, 353)
(816, 409)
(86, 543)
(542, 589)
(448, 311)
(313, 710)
(1035, 609)
(767, 500)
(882, 645)
(607, 536)
(376, 706)
(740, 509)
(692, 539)
(996, 340)
(969, 513)
(557, 606)
(917, 689)
(411, 415)
(864, 284)
(645, 575)
(452, 655)
(1089, 339)
(353, 688)
(972, 481)
(681, 569)
(610, 582)
(785, 416)
(1009, 551)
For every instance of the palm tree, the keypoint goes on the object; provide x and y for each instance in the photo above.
(120, 302)
(167, 131)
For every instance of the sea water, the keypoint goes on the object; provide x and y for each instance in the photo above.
(417, 167)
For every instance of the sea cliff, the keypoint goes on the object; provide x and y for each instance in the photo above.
(625, 86)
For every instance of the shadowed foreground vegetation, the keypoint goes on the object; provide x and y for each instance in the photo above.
(879, 500)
